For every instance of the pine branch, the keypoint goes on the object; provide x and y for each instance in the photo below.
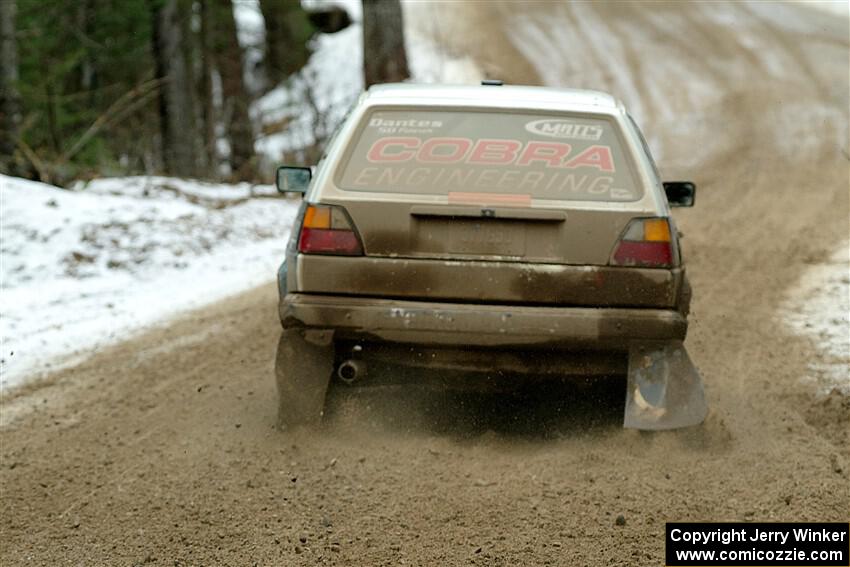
(127, 100)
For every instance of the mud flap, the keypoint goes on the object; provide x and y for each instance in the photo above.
(664, 389)
(303, 370)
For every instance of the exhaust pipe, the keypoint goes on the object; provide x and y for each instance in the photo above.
(350, 370)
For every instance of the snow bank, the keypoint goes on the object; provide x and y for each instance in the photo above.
(85, 267)
(89, 266)
(309, 106)
(818, 307)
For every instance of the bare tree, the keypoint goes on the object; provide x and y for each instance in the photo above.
(208, 107)
(384, 56)
(10, 108)
(229, 60)
(177, 98)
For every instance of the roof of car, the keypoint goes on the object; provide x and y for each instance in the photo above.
(512, 96)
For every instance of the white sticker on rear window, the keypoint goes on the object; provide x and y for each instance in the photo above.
(564, 129)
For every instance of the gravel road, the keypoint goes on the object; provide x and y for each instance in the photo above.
(162, 450)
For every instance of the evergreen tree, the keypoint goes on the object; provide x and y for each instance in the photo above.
(9, 98)
(88, 98)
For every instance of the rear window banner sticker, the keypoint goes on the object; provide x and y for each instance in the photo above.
(550, 184)
(502, 152)
(494, 151)
(550, 154)
(393, 150)
(443, 150)
(594, 156)
(578, 159)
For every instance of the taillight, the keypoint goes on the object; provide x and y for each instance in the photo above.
(328, 230)
(647, 243)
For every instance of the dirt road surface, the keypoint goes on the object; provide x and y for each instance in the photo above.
(162, 450)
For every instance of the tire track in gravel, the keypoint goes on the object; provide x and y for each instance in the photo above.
(792, 49)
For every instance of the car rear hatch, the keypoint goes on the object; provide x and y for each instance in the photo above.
(490, 207)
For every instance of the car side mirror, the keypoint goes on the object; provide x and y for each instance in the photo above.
(293, 179)
(680, 193)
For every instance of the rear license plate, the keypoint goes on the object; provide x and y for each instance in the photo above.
(487, 237)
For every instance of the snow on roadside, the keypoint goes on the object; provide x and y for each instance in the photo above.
(818, 307)
(85, 267)
(312, 103)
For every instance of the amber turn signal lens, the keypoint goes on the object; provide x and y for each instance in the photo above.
(317, 217)
(656, 230)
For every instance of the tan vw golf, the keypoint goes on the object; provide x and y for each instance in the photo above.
(492, 229)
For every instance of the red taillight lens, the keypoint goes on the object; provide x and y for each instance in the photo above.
(645, 243)
(326, 229)
(319, 241)
(643, 254)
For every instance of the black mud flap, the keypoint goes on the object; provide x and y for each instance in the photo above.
(664, 389)
(303, 370)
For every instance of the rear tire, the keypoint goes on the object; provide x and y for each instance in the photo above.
(303, 370)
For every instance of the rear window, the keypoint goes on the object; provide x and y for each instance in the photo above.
(513, 157)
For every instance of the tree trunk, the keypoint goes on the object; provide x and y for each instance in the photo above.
(228, 55)
(287, 32)
(87, 68)
(10, 105)
(208, 108)
(384, 56)
(176, 101)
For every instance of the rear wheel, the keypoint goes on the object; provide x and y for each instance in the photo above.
(303, 370)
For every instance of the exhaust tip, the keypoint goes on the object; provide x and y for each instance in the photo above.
(350, 370)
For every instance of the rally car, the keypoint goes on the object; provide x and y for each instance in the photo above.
(507, 228)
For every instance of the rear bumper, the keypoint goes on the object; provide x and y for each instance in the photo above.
(462, 324)
(481, 282)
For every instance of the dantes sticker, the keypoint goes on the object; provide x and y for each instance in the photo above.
(405, 125)
(409, 123)
(564, 129)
